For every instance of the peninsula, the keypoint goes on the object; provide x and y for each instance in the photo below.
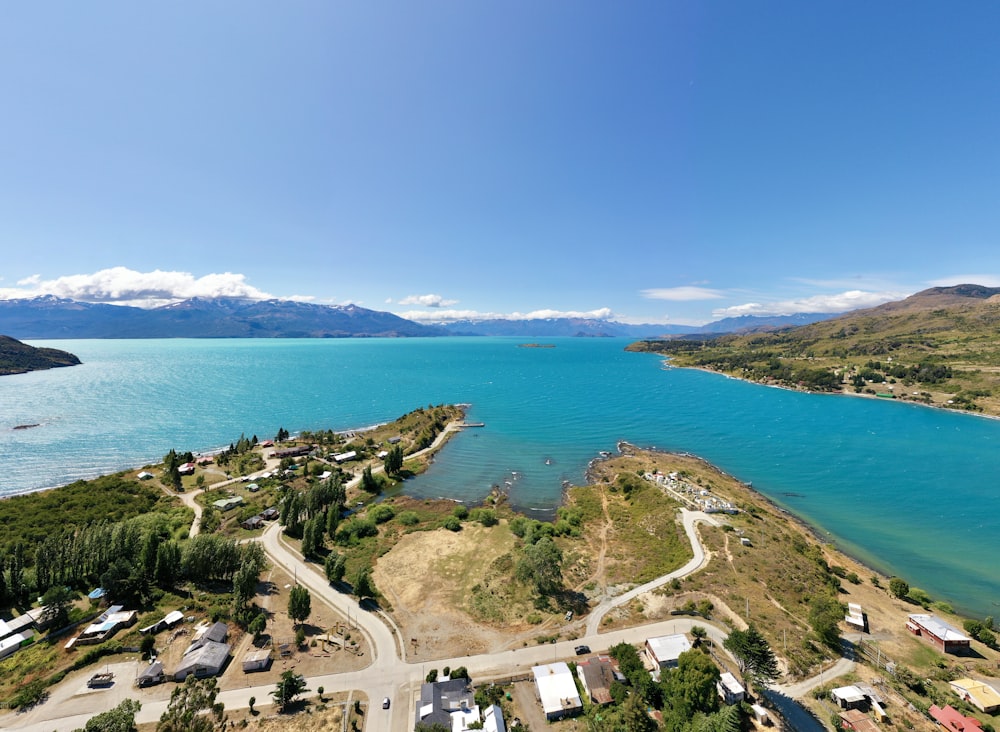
(398, 590)
(20, 358)
(937, 347)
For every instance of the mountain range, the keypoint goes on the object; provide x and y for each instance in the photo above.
(49, 317)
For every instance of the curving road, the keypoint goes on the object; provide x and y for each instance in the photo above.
(390, 675)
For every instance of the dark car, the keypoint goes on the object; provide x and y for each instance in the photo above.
(582, 650)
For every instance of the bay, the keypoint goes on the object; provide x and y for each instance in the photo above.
(909, 490)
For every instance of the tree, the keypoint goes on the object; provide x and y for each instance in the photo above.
(250, 702)
(699, 634)
(119, 719)
(193, 708)
(244, 586)
(754, 656)
(334, 566)
(363, 585)
(394, 461)
(257, 626)
(290, 686)
(690, 688)
(899, 587)
(824, 617)
(312, 537)
(368, 482)
(147, 646)
(299, 604)
(56, 601)
(541, 564)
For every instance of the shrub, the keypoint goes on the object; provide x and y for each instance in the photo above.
(381, 513)
(408, 518)
(452, 523)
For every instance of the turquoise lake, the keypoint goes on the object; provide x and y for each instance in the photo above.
(910, 490)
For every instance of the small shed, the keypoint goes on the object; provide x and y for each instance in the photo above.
(760, 715)
(270, 514)
(849, 697)
(254, 522)
(256, 659)
(153, 674)
(858, 721)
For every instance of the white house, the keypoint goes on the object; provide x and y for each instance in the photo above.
(557, 690)
(731, 690)
(665, 650)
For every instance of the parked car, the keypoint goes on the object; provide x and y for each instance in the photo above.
(385, 703)
(582, 650)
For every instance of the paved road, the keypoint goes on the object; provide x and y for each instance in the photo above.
(391, 675)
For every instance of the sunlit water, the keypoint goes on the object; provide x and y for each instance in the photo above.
(911, 490)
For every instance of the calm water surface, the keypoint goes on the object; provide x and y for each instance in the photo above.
(910, 490)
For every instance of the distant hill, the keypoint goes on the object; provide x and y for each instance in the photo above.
(939, 346)
(755, 323)
(51, 317)
(19, 358)
(566, 327)
(588, 327)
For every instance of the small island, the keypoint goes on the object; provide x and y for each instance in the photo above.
(536, 345)
(20, 358)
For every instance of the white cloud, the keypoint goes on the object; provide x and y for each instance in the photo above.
(439, 316)
(985, 280)
(427, 301)
(835, 303)
(682, 294)
(123, 286)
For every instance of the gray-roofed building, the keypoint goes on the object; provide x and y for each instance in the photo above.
(207, 659)
(439, 699)
(597, 676)
(153, 674)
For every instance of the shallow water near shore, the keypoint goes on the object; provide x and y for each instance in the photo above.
(910, 490)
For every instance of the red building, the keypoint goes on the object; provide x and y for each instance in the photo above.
(946, 638)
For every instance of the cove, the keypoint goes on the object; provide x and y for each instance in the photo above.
(907, 489)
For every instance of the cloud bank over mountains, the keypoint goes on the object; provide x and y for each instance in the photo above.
(124, 286)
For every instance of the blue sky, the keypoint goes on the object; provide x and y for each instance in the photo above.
(648, 162)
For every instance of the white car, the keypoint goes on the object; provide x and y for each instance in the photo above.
(385, 703)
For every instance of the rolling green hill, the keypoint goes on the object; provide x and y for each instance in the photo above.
(19, 358)
(940, 346)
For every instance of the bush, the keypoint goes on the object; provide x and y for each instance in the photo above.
(460, 512)
(381, 513)
(452, 523)
(408, 518)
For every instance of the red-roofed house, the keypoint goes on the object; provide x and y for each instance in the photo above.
(953, 720)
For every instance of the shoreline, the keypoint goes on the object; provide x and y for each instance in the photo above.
(784, 387)
(815, 531)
